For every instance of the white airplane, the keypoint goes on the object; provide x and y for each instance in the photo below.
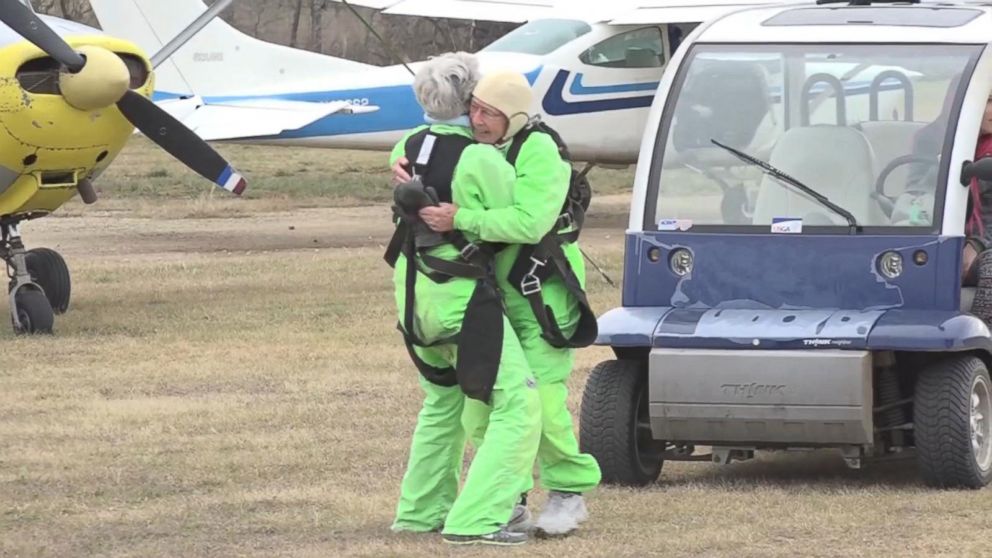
(594, 67)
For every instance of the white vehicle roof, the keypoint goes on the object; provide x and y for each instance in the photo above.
(946, 22)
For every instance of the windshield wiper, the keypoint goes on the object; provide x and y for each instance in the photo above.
(782, 177)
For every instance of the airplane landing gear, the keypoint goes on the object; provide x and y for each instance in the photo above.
(30, 309)
(48, 269)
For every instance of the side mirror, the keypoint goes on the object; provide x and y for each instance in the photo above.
(980, 169)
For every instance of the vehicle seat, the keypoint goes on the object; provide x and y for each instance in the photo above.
(836, 161)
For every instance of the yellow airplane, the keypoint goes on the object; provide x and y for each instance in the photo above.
(70, 97)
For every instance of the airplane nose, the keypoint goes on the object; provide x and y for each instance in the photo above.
(101, 82)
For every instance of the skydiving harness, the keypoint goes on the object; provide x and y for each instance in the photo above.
(480, 339)
(536, 263)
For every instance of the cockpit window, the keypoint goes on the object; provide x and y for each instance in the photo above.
(641, 48)
(540, 36)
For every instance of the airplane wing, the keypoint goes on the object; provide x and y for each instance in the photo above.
(253, 118)
(618, 12)
(514, 11)
(374, 4)
(680, 11)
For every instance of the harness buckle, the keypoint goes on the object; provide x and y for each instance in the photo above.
(469, 251)
(566, 221)
(530, 283)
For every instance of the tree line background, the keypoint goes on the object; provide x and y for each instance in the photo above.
(331, 28)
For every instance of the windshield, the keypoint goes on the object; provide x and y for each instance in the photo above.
(540, 36)
(861, 125)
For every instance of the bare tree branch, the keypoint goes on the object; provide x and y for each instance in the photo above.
(297, 11)
(289, 22)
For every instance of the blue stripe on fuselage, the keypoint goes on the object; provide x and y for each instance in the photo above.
(554, 102)
(578, 89)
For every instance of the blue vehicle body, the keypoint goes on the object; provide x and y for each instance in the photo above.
(772, 291)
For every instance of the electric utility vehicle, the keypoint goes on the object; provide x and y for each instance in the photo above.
(793, 261)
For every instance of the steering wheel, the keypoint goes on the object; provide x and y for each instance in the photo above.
(887, 202)
(928, 160)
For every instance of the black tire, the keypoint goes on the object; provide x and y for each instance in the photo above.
(982, 305)
(34, 312)
(49, 270)
(614, 424)
(943, 423)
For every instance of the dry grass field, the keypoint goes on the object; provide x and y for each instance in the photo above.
(228, 382)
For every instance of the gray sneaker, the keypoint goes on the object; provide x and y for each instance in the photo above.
(562, 514)
(498, 538)
(521, 520)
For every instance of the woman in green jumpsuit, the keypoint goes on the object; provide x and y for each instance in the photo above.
(429, 498)
(499, 112)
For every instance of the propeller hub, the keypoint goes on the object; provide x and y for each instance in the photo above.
(101, 82)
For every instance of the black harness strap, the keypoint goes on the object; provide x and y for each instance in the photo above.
(395, 246)
(434, 157)
(444, 377)
(533, 267)
(573, 212)
(479, 341)
(537, 262)
(479, 344)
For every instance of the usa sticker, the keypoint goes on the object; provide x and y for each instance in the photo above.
(787, 225)
(674, 224)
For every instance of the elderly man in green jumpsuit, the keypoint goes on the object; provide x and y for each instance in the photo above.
(473, 369)
(500, 116)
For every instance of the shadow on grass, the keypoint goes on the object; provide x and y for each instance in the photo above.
(821, 468)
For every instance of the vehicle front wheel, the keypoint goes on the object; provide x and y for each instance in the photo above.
(615, 424)
(952, 416)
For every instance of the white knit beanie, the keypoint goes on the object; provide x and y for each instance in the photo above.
(509, 93)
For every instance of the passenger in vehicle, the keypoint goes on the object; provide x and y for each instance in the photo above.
(978, 224)
(978, 220)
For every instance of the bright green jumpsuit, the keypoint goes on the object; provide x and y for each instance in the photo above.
(429, 491)
(539, 193)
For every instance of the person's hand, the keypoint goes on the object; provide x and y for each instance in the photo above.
(969, 267)
(439, 218)
(399, 171)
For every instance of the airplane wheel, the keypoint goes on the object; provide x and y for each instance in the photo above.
(49, 270)
(34, 312)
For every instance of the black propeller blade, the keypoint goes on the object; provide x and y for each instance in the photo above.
(180, 141)
(155, 123)
(27, 24)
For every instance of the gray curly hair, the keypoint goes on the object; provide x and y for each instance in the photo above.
(444, 84)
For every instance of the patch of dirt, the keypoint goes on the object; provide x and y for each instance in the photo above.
(111, 234)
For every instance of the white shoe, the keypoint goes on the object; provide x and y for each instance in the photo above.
(521, 520)
(581, 514)
(562, 514)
